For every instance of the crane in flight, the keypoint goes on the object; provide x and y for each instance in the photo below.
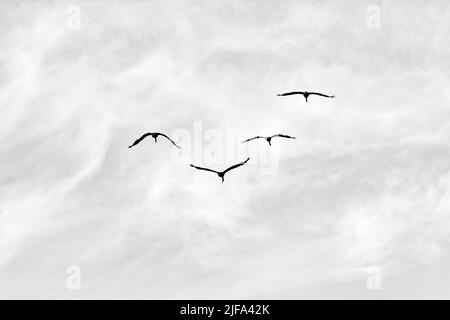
(154, 136)
(221, 174)
(269, 139)
(306, 94)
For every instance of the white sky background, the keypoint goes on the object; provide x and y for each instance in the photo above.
(365, 186)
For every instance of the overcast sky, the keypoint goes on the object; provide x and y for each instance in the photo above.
(358, 206)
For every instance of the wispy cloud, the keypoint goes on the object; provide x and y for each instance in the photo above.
(365, 186)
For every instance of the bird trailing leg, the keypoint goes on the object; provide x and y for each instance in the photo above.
(269, 141)
(221, 176)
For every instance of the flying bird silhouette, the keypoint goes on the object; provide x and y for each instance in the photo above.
(222, 173)
(306, 94)
(155, 136)
(269, 138)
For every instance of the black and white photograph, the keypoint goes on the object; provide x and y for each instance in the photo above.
(224, 150)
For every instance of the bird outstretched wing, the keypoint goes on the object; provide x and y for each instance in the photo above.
(173, 142)
(283, 136)
(205, 169)
(321, 94)
(145, 135)
(290, 93)
(257, 137)
(236, 165)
